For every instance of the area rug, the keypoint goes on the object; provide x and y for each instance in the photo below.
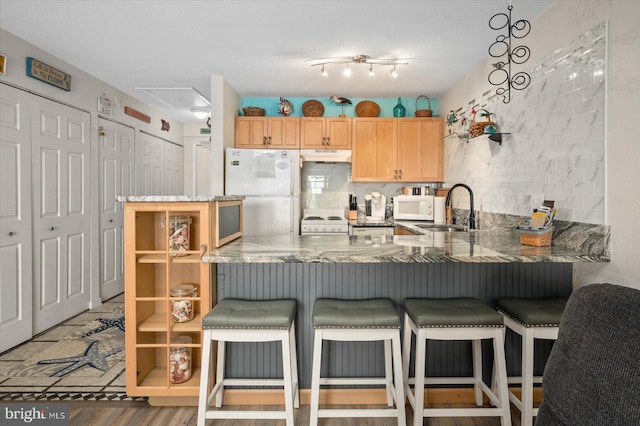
(82, 358)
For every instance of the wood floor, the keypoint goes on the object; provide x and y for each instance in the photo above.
(101, 413)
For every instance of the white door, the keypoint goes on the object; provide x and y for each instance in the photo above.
(15, 218)
(117, 157)
(151, 165)
(173, 160)
(61, 211)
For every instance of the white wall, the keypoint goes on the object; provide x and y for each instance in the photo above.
(225, 106)
(555, 28)
(85, 90)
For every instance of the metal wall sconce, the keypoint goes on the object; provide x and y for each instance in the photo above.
(517, 55)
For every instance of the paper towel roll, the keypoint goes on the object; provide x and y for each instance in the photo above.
(438, 210)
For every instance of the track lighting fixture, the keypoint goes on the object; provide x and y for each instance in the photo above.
(324, 73)
(358, 59)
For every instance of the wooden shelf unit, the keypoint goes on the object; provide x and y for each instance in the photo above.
(151, 270)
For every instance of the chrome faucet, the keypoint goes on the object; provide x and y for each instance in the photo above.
(472, 215)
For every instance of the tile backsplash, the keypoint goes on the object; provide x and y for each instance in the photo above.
(556, 146)
(328, 185)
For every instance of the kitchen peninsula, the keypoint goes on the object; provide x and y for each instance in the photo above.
(485, 264)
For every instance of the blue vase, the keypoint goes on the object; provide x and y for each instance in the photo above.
(398, 110)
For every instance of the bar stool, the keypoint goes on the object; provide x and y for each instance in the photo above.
(455, 319)
(358, 320)
(531, 319)
(233, 320)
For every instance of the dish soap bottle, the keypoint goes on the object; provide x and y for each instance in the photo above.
(398, 110)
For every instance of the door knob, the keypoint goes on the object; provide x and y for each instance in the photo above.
(53, 228)
(11, 233)
(110, 220)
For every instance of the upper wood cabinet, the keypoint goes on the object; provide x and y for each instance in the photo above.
(374, 150)
(325, 133)
(420, 153)
(397, 150)
(267, 132)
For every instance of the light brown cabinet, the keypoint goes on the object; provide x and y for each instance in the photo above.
(420, 149)
(267, 132)
(152, 269)
(399, 230)
(325, 133)
(397, 150)
(374, 150)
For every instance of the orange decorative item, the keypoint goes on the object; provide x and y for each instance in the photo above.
(477, 128)
(367, 109)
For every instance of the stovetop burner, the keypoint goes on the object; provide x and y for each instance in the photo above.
(324, 222)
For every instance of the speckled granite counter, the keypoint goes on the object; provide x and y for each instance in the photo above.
(486, 264)
(176, 198)
(430, 247)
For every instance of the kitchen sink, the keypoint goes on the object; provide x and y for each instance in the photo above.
(441, 228)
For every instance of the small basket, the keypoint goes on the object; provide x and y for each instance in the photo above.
(423, 112)
(476, 128)
(535, 237)
(253, 111)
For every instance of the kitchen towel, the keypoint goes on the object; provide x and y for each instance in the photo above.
(438, 210)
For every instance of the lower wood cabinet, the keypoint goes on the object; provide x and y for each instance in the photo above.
(164, 243)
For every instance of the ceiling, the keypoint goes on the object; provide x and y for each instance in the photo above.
(264, 48)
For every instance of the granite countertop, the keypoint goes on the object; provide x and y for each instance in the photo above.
(481, 246)
(176, 198)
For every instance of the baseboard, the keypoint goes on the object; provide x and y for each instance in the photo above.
(331, 397)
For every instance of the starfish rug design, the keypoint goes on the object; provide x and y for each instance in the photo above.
(83, 357)
(106, 324)
(91, 357)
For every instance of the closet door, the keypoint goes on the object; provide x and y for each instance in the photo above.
(117, 157)
(151, 165)
(61, 211)
(15, 218)
(173, 160)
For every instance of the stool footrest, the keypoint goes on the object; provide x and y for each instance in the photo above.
(518, 380)
(358, 412)
(463, 412)
(229, 414)
(253, 382)
(352, 381)
(445, 380)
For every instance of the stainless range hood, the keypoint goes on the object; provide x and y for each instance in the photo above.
(326, 156)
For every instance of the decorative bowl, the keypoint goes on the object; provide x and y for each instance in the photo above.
(312, 108)
(367, 109)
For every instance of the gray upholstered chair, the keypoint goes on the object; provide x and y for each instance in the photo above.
(592, 376)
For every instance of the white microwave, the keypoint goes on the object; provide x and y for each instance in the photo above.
(413, 207)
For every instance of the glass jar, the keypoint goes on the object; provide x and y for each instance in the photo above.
(399, 110)
(180, 360)
(179, 234)
(182, 310)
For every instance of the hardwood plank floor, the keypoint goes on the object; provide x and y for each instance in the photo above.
(99, 413)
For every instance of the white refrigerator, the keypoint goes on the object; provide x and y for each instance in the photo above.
(270, 181)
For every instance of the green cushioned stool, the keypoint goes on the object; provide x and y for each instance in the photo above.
(531, 319)
(455, 319)
(358, 320)
(234, 320)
